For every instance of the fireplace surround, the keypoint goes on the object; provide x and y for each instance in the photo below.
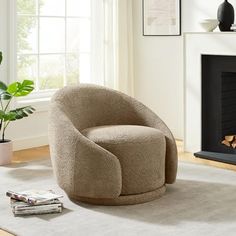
(210, 70)
(218, 98)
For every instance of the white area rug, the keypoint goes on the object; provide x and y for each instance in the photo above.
(202, 202)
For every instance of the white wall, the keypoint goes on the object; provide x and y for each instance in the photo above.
(158, 73)
(158, 62)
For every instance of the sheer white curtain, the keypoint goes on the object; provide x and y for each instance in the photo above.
(112, 44)
(125, 77)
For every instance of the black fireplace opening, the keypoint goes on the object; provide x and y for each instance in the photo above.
(228, 104)
(218, 107)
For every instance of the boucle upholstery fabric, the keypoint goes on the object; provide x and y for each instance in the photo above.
(140, 151)
(85, 169)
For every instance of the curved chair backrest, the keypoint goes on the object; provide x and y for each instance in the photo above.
(91, 105)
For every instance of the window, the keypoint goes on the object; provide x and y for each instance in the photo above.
(53, 43)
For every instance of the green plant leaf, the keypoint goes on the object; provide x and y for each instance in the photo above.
(3, 91)
(3, 86)
(16, 114)
(9, 116)
(13, 88)
(5, 95)
(18, 89)
(1, 58)
(20, 113)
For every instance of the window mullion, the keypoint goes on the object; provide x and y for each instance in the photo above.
(64, 53)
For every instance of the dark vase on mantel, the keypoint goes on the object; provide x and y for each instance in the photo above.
(225, 16)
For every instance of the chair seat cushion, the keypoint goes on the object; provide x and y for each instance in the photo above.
(140, 150)
(112, 134)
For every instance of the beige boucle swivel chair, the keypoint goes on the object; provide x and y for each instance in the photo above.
(107, 148)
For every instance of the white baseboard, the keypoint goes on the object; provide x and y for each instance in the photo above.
(30, 142)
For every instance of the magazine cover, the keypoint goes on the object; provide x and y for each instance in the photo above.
(33, 197)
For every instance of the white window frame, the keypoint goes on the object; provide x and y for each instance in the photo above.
(40, 99)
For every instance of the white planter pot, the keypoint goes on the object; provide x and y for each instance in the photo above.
(5, 153)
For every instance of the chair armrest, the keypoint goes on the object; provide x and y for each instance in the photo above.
(82, 167)
(148, 118)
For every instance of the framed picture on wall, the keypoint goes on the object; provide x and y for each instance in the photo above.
(161, 17)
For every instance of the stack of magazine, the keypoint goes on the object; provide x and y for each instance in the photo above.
(34, 202)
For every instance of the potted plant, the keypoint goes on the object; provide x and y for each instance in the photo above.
(7, 93)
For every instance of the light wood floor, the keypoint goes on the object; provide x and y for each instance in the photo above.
(4, 233)
(185, 156)
(32, 154)
(40, 153)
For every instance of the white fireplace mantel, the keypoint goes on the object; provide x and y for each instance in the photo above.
(195, 45)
